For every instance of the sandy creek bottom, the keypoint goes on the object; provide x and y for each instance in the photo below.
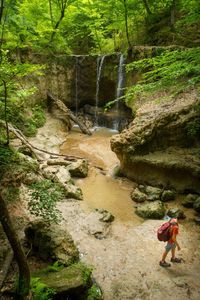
(100, 188)
(125, 259)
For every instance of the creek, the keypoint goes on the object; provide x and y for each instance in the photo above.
(101, 189)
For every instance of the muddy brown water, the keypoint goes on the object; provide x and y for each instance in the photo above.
(101, 189)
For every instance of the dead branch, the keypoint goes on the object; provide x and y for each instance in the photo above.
(24, 140)
(68, 112)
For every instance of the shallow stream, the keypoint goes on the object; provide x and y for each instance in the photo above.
(101, 189)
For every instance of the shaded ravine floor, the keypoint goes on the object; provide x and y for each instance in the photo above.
(125, 257)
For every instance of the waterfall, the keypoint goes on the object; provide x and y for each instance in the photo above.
(76, 84)
(100, 61)
(121, 78)
(119, 91)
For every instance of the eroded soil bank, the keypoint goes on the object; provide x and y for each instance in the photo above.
(125, 255)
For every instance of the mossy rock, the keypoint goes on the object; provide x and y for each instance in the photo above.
(176, 213)
(151, 210)
(168, 195)
(79, 168)
(73, 281)
(138, 196)
(153, 193)
(189, 200)
(197, 205)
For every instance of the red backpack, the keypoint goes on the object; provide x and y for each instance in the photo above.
(163, 232)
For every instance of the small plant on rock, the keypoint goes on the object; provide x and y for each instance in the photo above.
(44, 197)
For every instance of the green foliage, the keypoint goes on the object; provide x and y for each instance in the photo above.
(11, 194)
(7, 157)
(193, 128)
(177, 70)
(94, 293)
(30, 124)
(98, 26)
(56, 267)
(86, 273)
(40, 291)
(16, 95)
(44, 198)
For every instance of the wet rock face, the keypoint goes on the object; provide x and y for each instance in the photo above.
(73, 79)
(156, 148)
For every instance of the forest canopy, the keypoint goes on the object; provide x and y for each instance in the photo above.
(97, 26)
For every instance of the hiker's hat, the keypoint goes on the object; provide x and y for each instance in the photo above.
(173, 221)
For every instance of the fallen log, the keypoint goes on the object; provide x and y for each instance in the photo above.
(69, 113)
(24, 141)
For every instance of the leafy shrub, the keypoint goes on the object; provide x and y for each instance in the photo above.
(176, 70)
(94, 293)
(40, 290)
(11, 193)
(44, 198)
(56, 267)
(7, 157)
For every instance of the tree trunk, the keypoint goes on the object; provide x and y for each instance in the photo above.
(51, 12)
(68, 112)
(62, 14)
(1, 9)
(5, 111)
(23, 291)
(173, 12)
(6, 266)
(147, 7)
(126, 23)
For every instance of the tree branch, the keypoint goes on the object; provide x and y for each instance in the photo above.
(5, 111)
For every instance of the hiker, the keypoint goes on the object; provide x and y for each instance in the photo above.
(171, 244)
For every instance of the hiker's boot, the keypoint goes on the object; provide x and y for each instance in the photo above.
(176, 260)
(164, 264)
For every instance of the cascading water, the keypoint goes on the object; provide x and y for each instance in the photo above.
(120, 86)
(100, 61)
(121, 77)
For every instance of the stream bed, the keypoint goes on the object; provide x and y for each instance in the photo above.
(101, 189)
(125, 254)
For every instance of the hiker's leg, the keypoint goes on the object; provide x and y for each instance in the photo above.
(163, 263)
(164, 255)
(167, 249)
(173, 251)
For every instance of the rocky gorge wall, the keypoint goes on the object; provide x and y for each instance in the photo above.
(158, 147)
(84, 82)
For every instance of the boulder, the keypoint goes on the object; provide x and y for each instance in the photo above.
(168, 195)
(63, 175)
(67, 283)
(189, 200)
(138, 196)
(151, 210)
(176, 213)
(72, 191)
(197, 204)
(153, 193)
(50, 242)
(79, 168)
(105, 216)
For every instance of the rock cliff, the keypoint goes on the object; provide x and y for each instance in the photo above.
(161, 146)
